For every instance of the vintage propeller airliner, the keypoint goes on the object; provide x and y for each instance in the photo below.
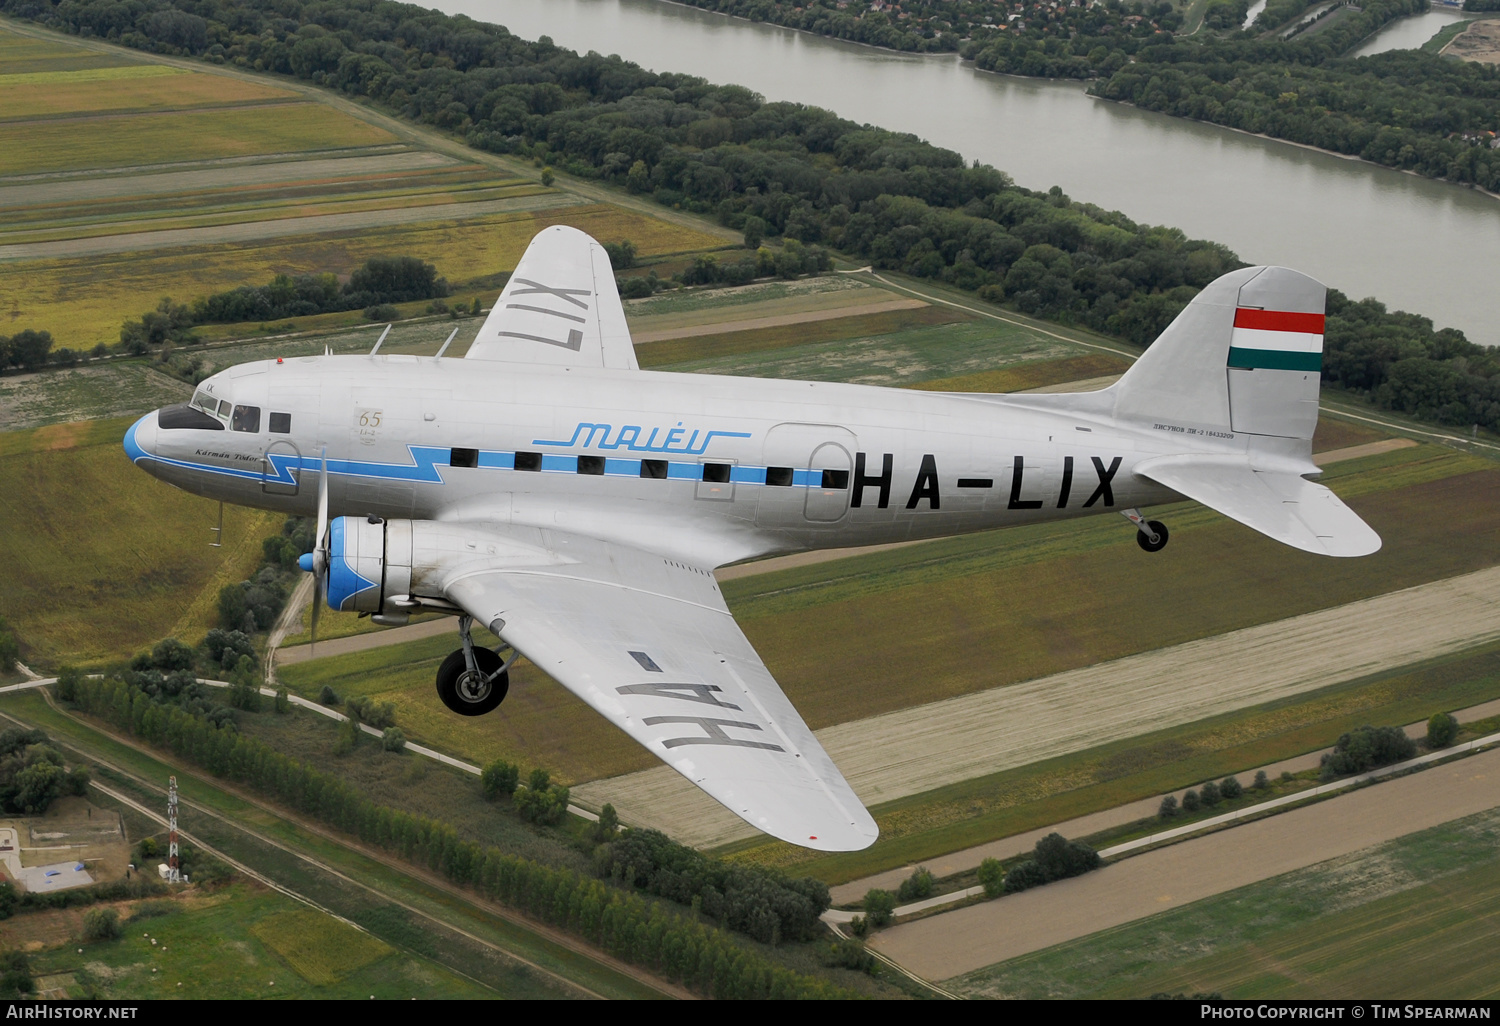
(547, 488)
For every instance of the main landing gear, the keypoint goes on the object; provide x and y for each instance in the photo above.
(1151, 535)
(473, 681)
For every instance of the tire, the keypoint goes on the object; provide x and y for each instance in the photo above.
(1140, 536)
(454, 683)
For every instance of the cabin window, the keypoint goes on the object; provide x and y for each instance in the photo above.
(717, 473)
(463, 457)
(281, 423)
(528, 461)
(593, 465)
(779, 477)
(835, 479)
(654, 468)
(246, 418)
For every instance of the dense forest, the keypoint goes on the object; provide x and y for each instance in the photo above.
(779, 169)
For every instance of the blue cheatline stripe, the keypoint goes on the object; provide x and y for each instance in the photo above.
(428, 463)
(1274, 359)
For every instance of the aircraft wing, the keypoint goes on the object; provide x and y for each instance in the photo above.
(559, 309)
(1279, 504)
(648, 643)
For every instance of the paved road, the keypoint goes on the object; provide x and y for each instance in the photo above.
(948, 945)
(915, 750)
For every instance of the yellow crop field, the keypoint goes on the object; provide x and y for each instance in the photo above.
(96, 560)
(125, 140)
(84, 300)
(20, 53)
(319, 948)
(131, 87)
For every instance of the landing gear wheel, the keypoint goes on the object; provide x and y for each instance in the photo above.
(470, 694)
(1144, 539)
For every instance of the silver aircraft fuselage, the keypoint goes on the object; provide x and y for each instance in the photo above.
(706, 468)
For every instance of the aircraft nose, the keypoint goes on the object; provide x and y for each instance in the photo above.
(140, 440)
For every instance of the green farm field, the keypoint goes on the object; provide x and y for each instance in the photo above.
(140, 87)
(926, 826)
(949, 609)
(101, 562)
(1412, 918)
(73, 143)
(83, 300)
(242, 941)
(116, 389)
(22, 54)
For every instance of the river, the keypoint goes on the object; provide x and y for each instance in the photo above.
(1416, 244)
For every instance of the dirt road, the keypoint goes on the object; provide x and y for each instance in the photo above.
(967, 939)
(915, 750)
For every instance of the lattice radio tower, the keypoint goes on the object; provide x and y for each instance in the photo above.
(173, 873)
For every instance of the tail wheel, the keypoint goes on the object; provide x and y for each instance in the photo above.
(468, 693)
(1141, 537)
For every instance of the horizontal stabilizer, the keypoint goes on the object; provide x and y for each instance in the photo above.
(1279, 504)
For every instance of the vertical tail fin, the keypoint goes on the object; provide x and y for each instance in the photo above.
(1244, 357)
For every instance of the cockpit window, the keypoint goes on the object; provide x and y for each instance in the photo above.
(223, 407)
(246, 418)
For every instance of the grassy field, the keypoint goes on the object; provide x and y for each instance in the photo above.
(541, 723)
(83, 300)
(138, 87)
(101, 562)
(245, 941)
(69, 144)
(1033, 374)
(924, 826)
(20, 54)
(690, 351)
(899, 358)
(117, 389)
(1412, 918)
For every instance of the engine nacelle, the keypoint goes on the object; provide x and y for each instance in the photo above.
(369, 560)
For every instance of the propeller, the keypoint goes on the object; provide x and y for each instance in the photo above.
(316, 561)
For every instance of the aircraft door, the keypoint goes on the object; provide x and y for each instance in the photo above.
(807, 476)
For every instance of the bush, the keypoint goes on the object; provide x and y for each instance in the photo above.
(847, 954)
(171, 654)
(547, 176)
(328, 696)
(992, 878)
(1365, 749)
(367, 710)
(859, 926)
(1231, 788)
(607, 826)
(880, 906)
(499, 778)
(916, 887)
(392, 740)
(1442, 729)
(1060, 857)
(1190, 802)
(1168, 808)
(283, 703)
(1209, 794)
(1024, 877)
(541, 801)
(15, 974)
(636, 288)
(1261, 780)
(382, 312)
(101, 924)
(621, 254)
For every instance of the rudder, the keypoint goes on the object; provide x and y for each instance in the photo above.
(1244, 357)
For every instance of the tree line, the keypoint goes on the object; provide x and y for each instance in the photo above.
(620, 922)
(802, 173)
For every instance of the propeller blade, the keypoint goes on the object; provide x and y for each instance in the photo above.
(320, 546)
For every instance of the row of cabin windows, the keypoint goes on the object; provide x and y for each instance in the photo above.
(714, 473)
